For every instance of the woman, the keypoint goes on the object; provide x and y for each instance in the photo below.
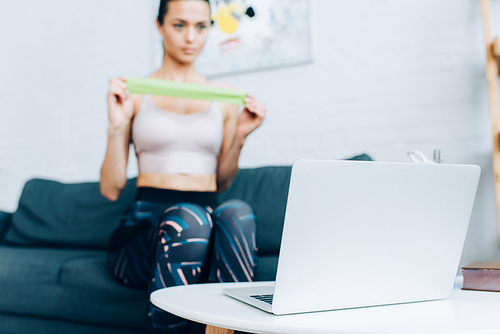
(187, 151)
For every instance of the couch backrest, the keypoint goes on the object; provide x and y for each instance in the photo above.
(70, 215)
(76, 215)
(5, 220)
(51, 213)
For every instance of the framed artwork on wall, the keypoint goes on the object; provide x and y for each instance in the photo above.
(251, 35)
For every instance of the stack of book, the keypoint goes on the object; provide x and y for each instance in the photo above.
(483, 276)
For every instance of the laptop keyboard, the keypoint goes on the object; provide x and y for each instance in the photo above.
(264, 298)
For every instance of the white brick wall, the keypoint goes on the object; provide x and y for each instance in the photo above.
(388, 76)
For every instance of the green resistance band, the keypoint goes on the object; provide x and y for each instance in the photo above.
(185, 90)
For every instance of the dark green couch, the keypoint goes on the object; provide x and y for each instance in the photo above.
(53, 275)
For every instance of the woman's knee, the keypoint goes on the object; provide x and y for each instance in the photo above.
(236, 218)
(234, 205)
(186, 220)
(236, 209)
(235, 249)
(184, 242)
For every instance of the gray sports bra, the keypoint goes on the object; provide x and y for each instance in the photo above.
(170, 143)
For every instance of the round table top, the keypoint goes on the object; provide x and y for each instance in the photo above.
(463, 312)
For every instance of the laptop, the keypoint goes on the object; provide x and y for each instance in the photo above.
(360, 234)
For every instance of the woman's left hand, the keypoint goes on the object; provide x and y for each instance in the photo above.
(252, 116)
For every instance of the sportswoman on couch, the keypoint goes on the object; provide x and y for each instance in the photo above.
(187, 151)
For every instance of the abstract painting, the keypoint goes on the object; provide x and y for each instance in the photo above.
(249, 35)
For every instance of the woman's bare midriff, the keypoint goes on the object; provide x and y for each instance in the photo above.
(182, 182)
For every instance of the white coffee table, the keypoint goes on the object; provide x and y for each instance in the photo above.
(464, 312)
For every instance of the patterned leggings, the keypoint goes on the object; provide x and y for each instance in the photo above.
(184, 244)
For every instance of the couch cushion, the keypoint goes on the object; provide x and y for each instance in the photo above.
(20, 324)
(57, 214)
(67, 284)
(75, 285)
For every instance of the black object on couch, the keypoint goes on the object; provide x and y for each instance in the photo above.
(53, 274)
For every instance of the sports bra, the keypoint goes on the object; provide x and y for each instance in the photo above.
(171, 143)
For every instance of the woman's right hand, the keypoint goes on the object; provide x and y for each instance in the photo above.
(120, 104)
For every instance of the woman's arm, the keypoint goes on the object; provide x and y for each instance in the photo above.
(120, 113)
(236, 130)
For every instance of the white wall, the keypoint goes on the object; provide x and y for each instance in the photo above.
(389, 76)
(55, 60)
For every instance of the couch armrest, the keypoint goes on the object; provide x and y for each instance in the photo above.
(5, 220)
